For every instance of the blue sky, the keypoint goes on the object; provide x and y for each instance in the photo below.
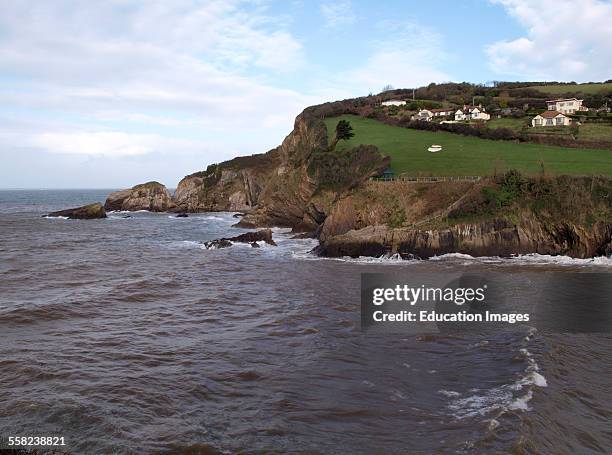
(112, 93)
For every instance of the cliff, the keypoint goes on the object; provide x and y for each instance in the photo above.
(293, 185)
(500, 216)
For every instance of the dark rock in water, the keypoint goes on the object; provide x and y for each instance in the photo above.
(86, 212)
(181, 215)
(248, 237)
(217, 244)
(126, 216)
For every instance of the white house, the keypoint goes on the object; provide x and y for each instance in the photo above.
(424, 115)
(393, 103)
(444, 112)
(471, 113)
(428, 114)
(550, 118)
(566, 105)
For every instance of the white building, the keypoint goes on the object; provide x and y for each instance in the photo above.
(424, 115)
(471, 113)
(393, 103)
(428, 114)
(550, 118)
(566, 105)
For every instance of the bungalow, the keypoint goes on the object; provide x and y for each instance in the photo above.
(424, 115)
(550, 118)
(566, 105)
(393, 103)
(471, 113)
(427, 114)
(444, 112)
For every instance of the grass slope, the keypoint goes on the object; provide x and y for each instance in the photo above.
(581, 88)
(464, 155)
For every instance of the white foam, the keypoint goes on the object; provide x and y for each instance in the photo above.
(449, 393)
(56, 217)
(521, 402)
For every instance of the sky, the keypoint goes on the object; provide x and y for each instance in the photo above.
(108, 94)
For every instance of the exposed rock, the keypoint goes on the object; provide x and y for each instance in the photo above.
(86, 212)
(151, 196)
(248, 237)
(181, 215)
(496, 237)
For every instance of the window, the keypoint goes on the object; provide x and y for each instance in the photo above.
(538, 122)
(559, 120)
(549, 122)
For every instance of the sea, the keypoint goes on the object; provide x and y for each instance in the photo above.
(126, 336)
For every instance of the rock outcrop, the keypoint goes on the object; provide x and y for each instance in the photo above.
(252, 238)
(293, 185)
(151, 196)
(86, 212)
(509, 215)
(495, 237)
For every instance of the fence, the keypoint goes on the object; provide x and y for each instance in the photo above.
(409, 178)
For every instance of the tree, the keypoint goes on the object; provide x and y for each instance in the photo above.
(387, 88)
(344, 131)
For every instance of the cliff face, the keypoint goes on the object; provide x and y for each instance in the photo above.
(494, 217)
(293, 185)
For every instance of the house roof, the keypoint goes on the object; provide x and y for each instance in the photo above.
(551, 114)
(442, 110)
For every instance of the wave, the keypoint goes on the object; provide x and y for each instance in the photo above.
(527, 259)
(534, 259)
(56, 217)
(502, 398)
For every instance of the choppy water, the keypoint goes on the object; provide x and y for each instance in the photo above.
(125, 336)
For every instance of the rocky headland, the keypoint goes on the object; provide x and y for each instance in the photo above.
(306, 185)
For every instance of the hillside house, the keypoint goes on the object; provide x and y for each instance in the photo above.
(471, 113)
(427, 114)
(566, 105)
(424, 115)
(393, 103)
(444, 112)
(551, 118)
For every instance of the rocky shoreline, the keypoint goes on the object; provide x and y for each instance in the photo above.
(318, 193)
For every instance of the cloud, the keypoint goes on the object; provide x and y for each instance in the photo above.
(107, 143)
(565, 40)
(413, 57)
(127, 78)
(337, 13)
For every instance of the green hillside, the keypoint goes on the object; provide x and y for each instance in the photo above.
(573, 88)
(463, 155)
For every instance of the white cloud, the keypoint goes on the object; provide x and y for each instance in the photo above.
(107, 143)
(121, 78)
(337, 13)
(565, 40)
(411, 58)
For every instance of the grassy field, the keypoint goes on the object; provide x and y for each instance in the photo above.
(515, 124)
(462, 155)
(584, 88)
(595, 132)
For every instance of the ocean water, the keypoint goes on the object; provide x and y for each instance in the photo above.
(125, 336)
